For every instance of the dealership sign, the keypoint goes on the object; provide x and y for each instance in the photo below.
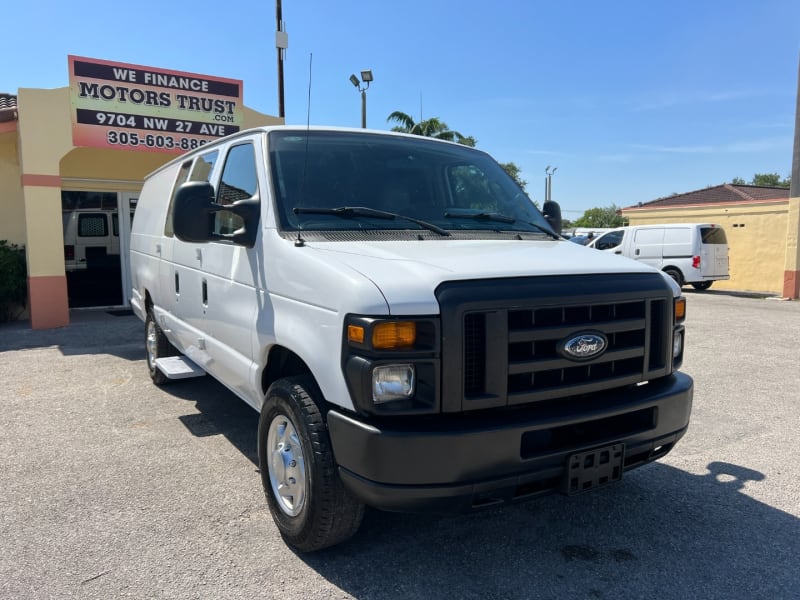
(131, 107)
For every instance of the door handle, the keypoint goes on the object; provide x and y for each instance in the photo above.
(205, 293)
(617, 251)
(637, 252)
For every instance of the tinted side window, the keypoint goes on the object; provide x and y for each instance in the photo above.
(182, 175)
(610, 240)
(239, 182)
(92, 225)
(713, 235)
(203, 166)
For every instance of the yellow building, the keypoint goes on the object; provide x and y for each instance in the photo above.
(90, 145)
(761, 224)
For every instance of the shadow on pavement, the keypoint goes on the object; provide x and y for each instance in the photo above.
(661, 530)
(96, 331)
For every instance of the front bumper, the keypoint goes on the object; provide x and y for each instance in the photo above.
(469, 461)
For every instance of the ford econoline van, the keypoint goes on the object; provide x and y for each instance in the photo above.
(415, 333)
(91, 238)
(690, 253)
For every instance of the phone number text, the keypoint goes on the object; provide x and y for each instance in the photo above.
(152, 140)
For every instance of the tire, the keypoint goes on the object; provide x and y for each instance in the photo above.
(309, 504)
(156, 346)
(675, 274)
(702, 285)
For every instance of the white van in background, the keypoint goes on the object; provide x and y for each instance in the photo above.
(691, 253)
(91, 238)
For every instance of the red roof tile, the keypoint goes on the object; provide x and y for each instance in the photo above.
(718, 194)
(8, 107)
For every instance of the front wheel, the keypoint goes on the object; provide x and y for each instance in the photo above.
(309, 504)
(702, 285)
(156, 346)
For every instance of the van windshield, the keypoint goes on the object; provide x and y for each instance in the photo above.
(713, 235)
(338, 180)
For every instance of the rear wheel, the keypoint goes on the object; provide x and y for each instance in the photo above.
(702, 285)
(675, 274)
(309, 504)
(157, 346)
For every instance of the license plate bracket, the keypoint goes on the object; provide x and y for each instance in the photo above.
(592, 469)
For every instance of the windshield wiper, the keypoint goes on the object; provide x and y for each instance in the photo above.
(365, 211)
(547, 231)
(480, 216)
(495, 216)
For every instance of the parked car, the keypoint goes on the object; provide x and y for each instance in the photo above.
(690, 253)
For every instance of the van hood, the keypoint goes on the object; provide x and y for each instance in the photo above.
(408, 272)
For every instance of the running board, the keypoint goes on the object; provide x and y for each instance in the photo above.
(178, 367)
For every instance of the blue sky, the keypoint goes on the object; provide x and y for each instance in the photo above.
(630, 100)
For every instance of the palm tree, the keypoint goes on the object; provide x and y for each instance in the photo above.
(433, 127)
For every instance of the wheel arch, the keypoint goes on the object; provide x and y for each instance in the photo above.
(281, 363)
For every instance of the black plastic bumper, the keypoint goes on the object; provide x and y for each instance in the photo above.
(470, 463)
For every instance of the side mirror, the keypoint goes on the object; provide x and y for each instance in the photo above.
(194, 208)
(552, 213)
(194, 203)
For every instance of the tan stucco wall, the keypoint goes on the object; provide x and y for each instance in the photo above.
(756, 235)
(45, 134)
(45, 129)
(12, 207)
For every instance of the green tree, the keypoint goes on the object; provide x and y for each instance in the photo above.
(601, 217)
(433, 127)
(765, 179)
(13, 281)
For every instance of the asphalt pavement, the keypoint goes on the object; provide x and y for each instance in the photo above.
(112, 487)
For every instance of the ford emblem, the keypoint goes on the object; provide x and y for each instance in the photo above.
(584, 346)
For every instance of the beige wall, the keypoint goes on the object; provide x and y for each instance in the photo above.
(756, 233)
(45, 133)
(12, 206)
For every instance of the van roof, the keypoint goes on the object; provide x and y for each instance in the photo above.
(654, 225)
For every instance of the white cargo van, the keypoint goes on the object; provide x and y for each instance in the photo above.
(414, 332)
(690, 253)
(91, 238)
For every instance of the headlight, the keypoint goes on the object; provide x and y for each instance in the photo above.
(677, 344)
(392, 382)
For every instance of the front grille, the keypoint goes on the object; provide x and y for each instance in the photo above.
(510, 351)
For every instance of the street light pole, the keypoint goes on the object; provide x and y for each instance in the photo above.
(363, 109)
(548, 183)
(366, 78)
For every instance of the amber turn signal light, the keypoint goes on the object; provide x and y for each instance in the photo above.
(394, 334)
(680, 309)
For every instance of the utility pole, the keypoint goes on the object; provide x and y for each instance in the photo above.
(791, 269)
(281, 43)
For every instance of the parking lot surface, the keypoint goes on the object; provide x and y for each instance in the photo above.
(111, 487)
